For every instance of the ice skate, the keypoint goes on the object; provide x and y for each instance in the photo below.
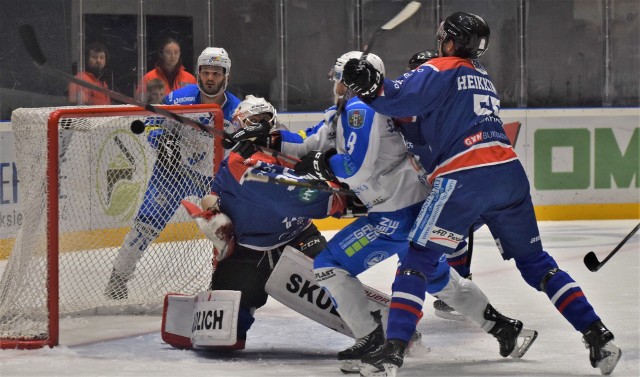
(442, 310)
(117, 286)
(509, 332)
(350, 358)
(603, 352)
(385, 361)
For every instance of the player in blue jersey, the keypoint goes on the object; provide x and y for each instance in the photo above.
(365, 150)
(475, 175)
(265, 217)
(183, 166)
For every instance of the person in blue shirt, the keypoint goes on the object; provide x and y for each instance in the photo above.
(183, 166)
(475, 173)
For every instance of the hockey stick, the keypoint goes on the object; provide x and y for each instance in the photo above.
(32, 45)
(591, 260)
(251, 176)
(406, 13)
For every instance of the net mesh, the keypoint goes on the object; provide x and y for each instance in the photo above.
(104, 172)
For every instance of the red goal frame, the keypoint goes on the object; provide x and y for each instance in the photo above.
(53, 193)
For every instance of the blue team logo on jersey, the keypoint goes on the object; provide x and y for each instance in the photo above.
(356, 117)
(375, 258)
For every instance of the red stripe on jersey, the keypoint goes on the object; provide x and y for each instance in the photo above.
(568, 300)
(480, 155)
(450, 62)
(239, 165)
(405, 307)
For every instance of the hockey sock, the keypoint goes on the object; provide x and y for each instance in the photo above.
(135, 243)
(458, 260)
(541, 271)
(467, 298)
(420, 266)
(567, 296)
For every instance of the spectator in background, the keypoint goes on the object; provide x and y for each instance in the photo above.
(155, 91)
(169, 69)
(96, 60)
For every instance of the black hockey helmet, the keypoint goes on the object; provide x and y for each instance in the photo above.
(420, 58)
(469, 32)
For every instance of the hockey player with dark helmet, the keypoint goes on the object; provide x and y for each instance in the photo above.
(469, 32)
(421, 57)
(447, 85)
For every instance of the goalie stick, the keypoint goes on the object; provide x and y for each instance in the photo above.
(591, 260)
(32, 46)
(406, 13)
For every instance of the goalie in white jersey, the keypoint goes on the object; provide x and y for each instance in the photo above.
(366, 151)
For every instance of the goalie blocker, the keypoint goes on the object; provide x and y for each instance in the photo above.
(209, 320)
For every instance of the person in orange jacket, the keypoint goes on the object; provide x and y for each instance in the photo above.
(94, 73)
(168, 68)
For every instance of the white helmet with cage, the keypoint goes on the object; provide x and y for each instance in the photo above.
(253, 106)
(216, 57)
(336, 72)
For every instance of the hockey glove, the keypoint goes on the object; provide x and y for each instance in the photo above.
(256, 133)
(361, 77)
(214, 224)
(315, 166)
(169, 151)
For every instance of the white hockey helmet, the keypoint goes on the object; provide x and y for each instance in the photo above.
(214, 56)
(336, 72)
(253, 106)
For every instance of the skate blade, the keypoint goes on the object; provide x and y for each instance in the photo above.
(350, 366)
(525, 340)
(607, 364)
(388, 370)
(452, 316)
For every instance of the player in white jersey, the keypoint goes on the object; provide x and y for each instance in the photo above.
(366, 151)
(183, 167)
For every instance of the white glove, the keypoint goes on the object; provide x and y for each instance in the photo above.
(215, 225)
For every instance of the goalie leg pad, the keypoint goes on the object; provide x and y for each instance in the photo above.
(208, 320)
(293, 284)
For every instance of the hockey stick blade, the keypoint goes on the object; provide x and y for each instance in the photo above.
(250, 176)
(30, 42)
(406, 12)
(401, 17)
(591, 260)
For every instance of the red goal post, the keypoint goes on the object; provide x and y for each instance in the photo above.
(83, 175)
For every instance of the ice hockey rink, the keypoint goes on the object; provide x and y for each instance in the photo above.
(282, 343)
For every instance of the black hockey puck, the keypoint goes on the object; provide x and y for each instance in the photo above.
(137, 127)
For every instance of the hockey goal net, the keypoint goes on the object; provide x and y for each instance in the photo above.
(82, 181)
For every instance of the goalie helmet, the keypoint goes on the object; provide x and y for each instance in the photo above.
(336, 72)
(469, 32)
(253, 106)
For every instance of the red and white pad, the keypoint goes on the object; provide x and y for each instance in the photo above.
(205, 320)
(293, 284)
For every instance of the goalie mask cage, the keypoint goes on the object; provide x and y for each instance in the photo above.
(83, 175)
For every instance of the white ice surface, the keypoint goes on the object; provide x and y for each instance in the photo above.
(282, 343)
